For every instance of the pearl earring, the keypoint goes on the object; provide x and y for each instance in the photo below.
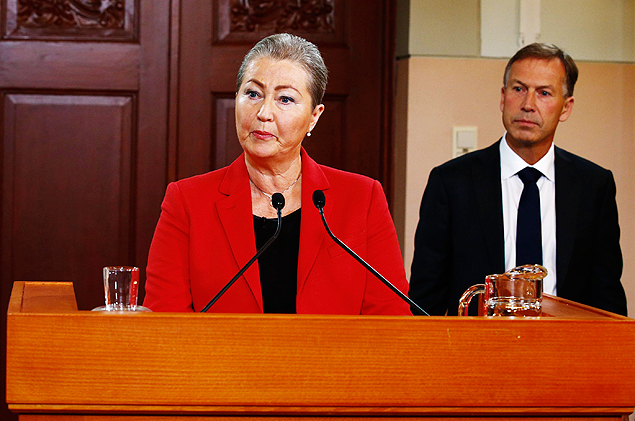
(308, 134)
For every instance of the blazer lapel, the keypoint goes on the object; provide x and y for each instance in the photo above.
(568, 193)
(312, 231)
(486, 173)
(236, 219)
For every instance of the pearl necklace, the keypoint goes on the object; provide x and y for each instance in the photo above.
(269, 196)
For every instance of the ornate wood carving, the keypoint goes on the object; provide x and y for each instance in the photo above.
(250, 20)
(307, 16)
(58, 19)
(72, 13)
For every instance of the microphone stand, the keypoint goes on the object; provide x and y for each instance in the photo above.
(277, 201)
(319, 201)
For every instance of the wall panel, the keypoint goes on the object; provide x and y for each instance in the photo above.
(67, 186)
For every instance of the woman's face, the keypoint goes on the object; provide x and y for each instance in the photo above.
(274, 109)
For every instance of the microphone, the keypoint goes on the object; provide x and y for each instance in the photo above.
(319, 200)
(277, 201)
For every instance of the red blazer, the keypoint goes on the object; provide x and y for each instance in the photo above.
(206, 234)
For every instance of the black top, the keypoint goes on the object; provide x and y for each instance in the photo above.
(278, 265)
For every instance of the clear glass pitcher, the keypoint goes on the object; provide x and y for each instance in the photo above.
(517, 293)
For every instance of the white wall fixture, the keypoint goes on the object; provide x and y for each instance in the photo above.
(529, 22)
(464, 140)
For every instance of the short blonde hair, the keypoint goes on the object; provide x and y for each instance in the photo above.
(294, 48)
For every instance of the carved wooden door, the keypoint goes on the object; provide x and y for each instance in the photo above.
(84, 139)
(356, 39)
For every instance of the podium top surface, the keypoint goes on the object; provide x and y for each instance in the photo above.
(59, 297)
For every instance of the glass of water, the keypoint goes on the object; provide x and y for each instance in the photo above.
(121, 286)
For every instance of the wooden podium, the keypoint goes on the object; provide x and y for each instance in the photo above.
(64, 364)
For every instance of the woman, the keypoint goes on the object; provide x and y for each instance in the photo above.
(212, 224)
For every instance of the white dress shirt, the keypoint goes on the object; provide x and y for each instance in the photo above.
(512, 188)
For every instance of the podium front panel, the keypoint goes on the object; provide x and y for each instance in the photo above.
(573, 362)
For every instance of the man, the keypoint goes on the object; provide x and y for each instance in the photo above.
(471, 209)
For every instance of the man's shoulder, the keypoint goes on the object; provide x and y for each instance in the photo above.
(565, 159)
(489, 156)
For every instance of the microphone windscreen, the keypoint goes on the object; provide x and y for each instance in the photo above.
(319, 200)
(277, 201)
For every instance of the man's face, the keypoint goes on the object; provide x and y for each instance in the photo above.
(533, 103)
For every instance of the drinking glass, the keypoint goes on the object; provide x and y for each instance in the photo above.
(121, 285)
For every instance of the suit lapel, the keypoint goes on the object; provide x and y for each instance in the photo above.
(568, 193)
(236, 219)
(312, 232)
(486, 172)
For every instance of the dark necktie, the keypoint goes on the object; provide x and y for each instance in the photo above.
(528, 232)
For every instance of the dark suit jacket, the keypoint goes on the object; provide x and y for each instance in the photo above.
(459, 238)
(206, 234)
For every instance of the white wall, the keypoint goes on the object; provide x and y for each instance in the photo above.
(439, 27)
(598, 30)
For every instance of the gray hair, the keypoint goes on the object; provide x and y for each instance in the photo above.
(547, 52)
(295, 49)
